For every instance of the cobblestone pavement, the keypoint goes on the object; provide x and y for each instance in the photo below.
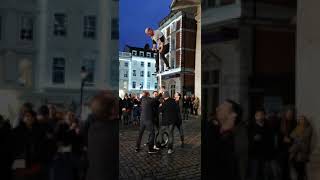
(184, 163)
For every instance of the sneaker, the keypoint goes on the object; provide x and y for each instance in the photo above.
(167, 69)
(170, 151)
(156, 148)
(137, 149)
(152, 151)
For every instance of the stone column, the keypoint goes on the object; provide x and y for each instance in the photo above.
(41, 64)
(307, 72)
(198, 81)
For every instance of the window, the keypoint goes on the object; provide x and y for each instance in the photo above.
(125, 84)
(141, 85)
(142, 64)
(60, 21)
(134, 73)
(227, 2)
(141, 53)
(89, 65)
(89, 30)
(211, 3)
(125, 74)
(126, 64)
(141, 73)
(133, 85)
(155, 85)
(173, 42)
(148, 54)
(115, 28)
(58, 70)
(134, 52)
(148, 85)
(26, 30)
(148, 73)
(149, 64)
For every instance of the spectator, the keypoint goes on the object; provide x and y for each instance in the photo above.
(196, 104)
(222, 159)
(258, 137)
(67, 137)
(126, 109)
(192, 98)
(136, 112)
(6, 148)
(288, 123)
(27, 148)
(178, 123)
(300, 149)
(103, 138)
(186, 107)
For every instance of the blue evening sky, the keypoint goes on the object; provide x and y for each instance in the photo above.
(136, 15)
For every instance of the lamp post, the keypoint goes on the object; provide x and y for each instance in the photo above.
(83, 75)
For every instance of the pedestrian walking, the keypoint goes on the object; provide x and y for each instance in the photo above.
(178, 123)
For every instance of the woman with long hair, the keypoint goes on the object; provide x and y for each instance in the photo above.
(300, 149)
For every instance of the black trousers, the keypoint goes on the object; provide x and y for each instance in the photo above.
(179, 126)
(300, 168)
(150, 139)
(171, 136)
(162, 56)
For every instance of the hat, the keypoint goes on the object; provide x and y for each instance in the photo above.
(166, 94)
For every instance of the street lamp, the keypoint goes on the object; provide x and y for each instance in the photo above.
(83, 75)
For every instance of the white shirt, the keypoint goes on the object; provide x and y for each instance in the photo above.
(157, 35)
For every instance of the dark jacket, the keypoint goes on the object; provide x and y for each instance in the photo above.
(127, 103)
(258, 138)
(170, 112)
(103, 150)
(28, 145)
(221, 162)
(5, 150)
(147, 112)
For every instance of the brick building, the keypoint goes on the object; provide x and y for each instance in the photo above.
(180, 29)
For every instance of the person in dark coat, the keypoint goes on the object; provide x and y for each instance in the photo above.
(170, 116)
(258, 138)
(222, 161)
(6, 148)
(147, 122)
(157, 96)
(27, 148)
(178, 123)
(68, 142)
(127, 106)
(103, 138)
(186, 107)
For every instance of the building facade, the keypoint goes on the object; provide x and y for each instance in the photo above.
(249, 53)
(180, 30)
(262, 54)
(135, 71)
(44, 44)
